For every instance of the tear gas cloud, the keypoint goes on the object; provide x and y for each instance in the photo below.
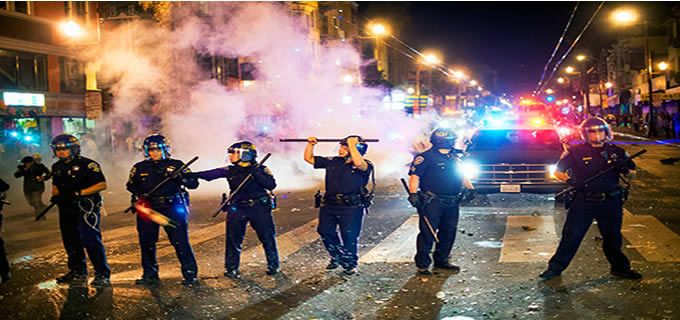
(299, 90)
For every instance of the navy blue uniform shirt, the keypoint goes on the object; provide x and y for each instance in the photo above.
(262, 180)
(584, 161)
(145, 175)
(343, 177)
(438, 172)
(76, 175)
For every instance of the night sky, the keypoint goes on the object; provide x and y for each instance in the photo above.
(513, 38)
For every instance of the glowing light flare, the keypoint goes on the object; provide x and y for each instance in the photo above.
(71, 29)
(561, 80)
(470, 169)
(348, 78)
(14, 134)
(608, 85)
(580, 57)
(410, 90)
(473, 82)
(569, 69)
(624, 16)
(563, 131)
(145, 212)
(549, 91)
(663, 66)
(551, 171)
(537, 121)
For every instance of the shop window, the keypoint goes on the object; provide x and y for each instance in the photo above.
(21, 6)
(20, 70)
(72, 74)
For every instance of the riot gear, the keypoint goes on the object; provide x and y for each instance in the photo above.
(66, 141)
(157, 141)
(595, 124)
(246, 151)
(443, 138)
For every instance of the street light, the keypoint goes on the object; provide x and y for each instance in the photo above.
(569, 69)
(662, 66)
(624, 16)
(561, 80)
(378, 29)
(473, 82)
(458, 74)
(431, 59)
(580, 57)
(549, 91)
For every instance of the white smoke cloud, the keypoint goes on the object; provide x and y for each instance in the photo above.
(299, 90)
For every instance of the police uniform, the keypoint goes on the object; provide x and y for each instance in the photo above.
(601, 200)
(342, 207)
(172, 201)
(253, 205)
(79, 216)
(4, 264)
(441, 183)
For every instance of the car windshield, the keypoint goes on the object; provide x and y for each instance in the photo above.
(543, 139)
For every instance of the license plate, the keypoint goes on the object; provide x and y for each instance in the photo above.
(511, 188)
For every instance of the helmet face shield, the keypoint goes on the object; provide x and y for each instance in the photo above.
(159, 143)
(243, 151)
(596, 130)
(65, 142)
(443, 138)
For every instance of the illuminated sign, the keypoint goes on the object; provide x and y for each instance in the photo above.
(23, 99)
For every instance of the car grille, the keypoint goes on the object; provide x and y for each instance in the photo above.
(513, 173)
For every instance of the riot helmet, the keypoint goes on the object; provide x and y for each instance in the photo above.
(443, 138)
(157, 141)
(245, 151)
(66, 141)
(594, 125)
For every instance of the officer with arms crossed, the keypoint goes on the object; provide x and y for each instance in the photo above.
(75, 189)
(171, 200)
(601, 199)
(343, 207)
(253, 204)
(436, 184)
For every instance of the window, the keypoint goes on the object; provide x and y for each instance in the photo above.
(72, 75)
(21, 70)
(21, 6)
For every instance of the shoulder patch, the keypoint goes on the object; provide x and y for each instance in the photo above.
(418, 160)
(133, 171)
(94, 167)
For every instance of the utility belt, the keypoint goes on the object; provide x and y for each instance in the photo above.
(266, 200)
(168, 200)
(343, 199)
(444, 200)
(588, 196)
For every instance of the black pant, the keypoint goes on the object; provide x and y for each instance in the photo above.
(444, 220)
(178, 237)
(79, 237)
(609, 217)
(262, 221)
(339, 228)
(34, 199)
(4, 264)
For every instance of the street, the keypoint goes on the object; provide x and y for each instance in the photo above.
(503, 243)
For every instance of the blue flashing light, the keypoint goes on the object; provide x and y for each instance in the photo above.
(550, 98)
(14, 134)
(28, 138)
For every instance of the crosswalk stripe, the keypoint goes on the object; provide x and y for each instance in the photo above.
(287, 243)
(399, 246)
(653, 240)
(528, 239)
(195, 237)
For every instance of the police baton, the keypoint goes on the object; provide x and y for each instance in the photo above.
(44, 212)
(173, 175)
(599, 174)
(240, 186)
(427, 221)
(324, 140)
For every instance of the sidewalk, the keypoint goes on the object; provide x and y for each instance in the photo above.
(631, 134)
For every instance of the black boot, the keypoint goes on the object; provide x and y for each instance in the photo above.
(73, 278)
(232, 274)
(628, 274)
(549, 274)
(448, 266)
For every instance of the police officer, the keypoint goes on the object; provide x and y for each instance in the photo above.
(253, 204)
(437, 186)
(342, 207)
(35, 174)
(601, 199)
(170, 200)
(75, 189)
(4, 264)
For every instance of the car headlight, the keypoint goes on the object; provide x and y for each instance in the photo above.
(470, 169)
(551, 170)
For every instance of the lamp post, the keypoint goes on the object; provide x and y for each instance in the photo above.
(431, 60)
(629, 17)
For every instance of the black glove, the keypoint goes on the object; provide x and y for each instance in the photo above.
(414, 199)
(133, 202)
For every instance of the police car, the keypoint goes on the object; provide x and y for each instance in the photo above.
(515, 158)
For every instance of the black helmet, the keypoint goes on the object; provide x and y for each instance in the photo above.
(443, 138)
(27, 159)
(595, 124)
(362, 147)
(66, 141)
(157, 141)
(245, 149)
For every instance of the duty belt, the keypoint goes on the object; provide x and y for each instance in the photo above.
(343, 199)
(444, 199)
(263, 200)
(600, 196)
(159, 201)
